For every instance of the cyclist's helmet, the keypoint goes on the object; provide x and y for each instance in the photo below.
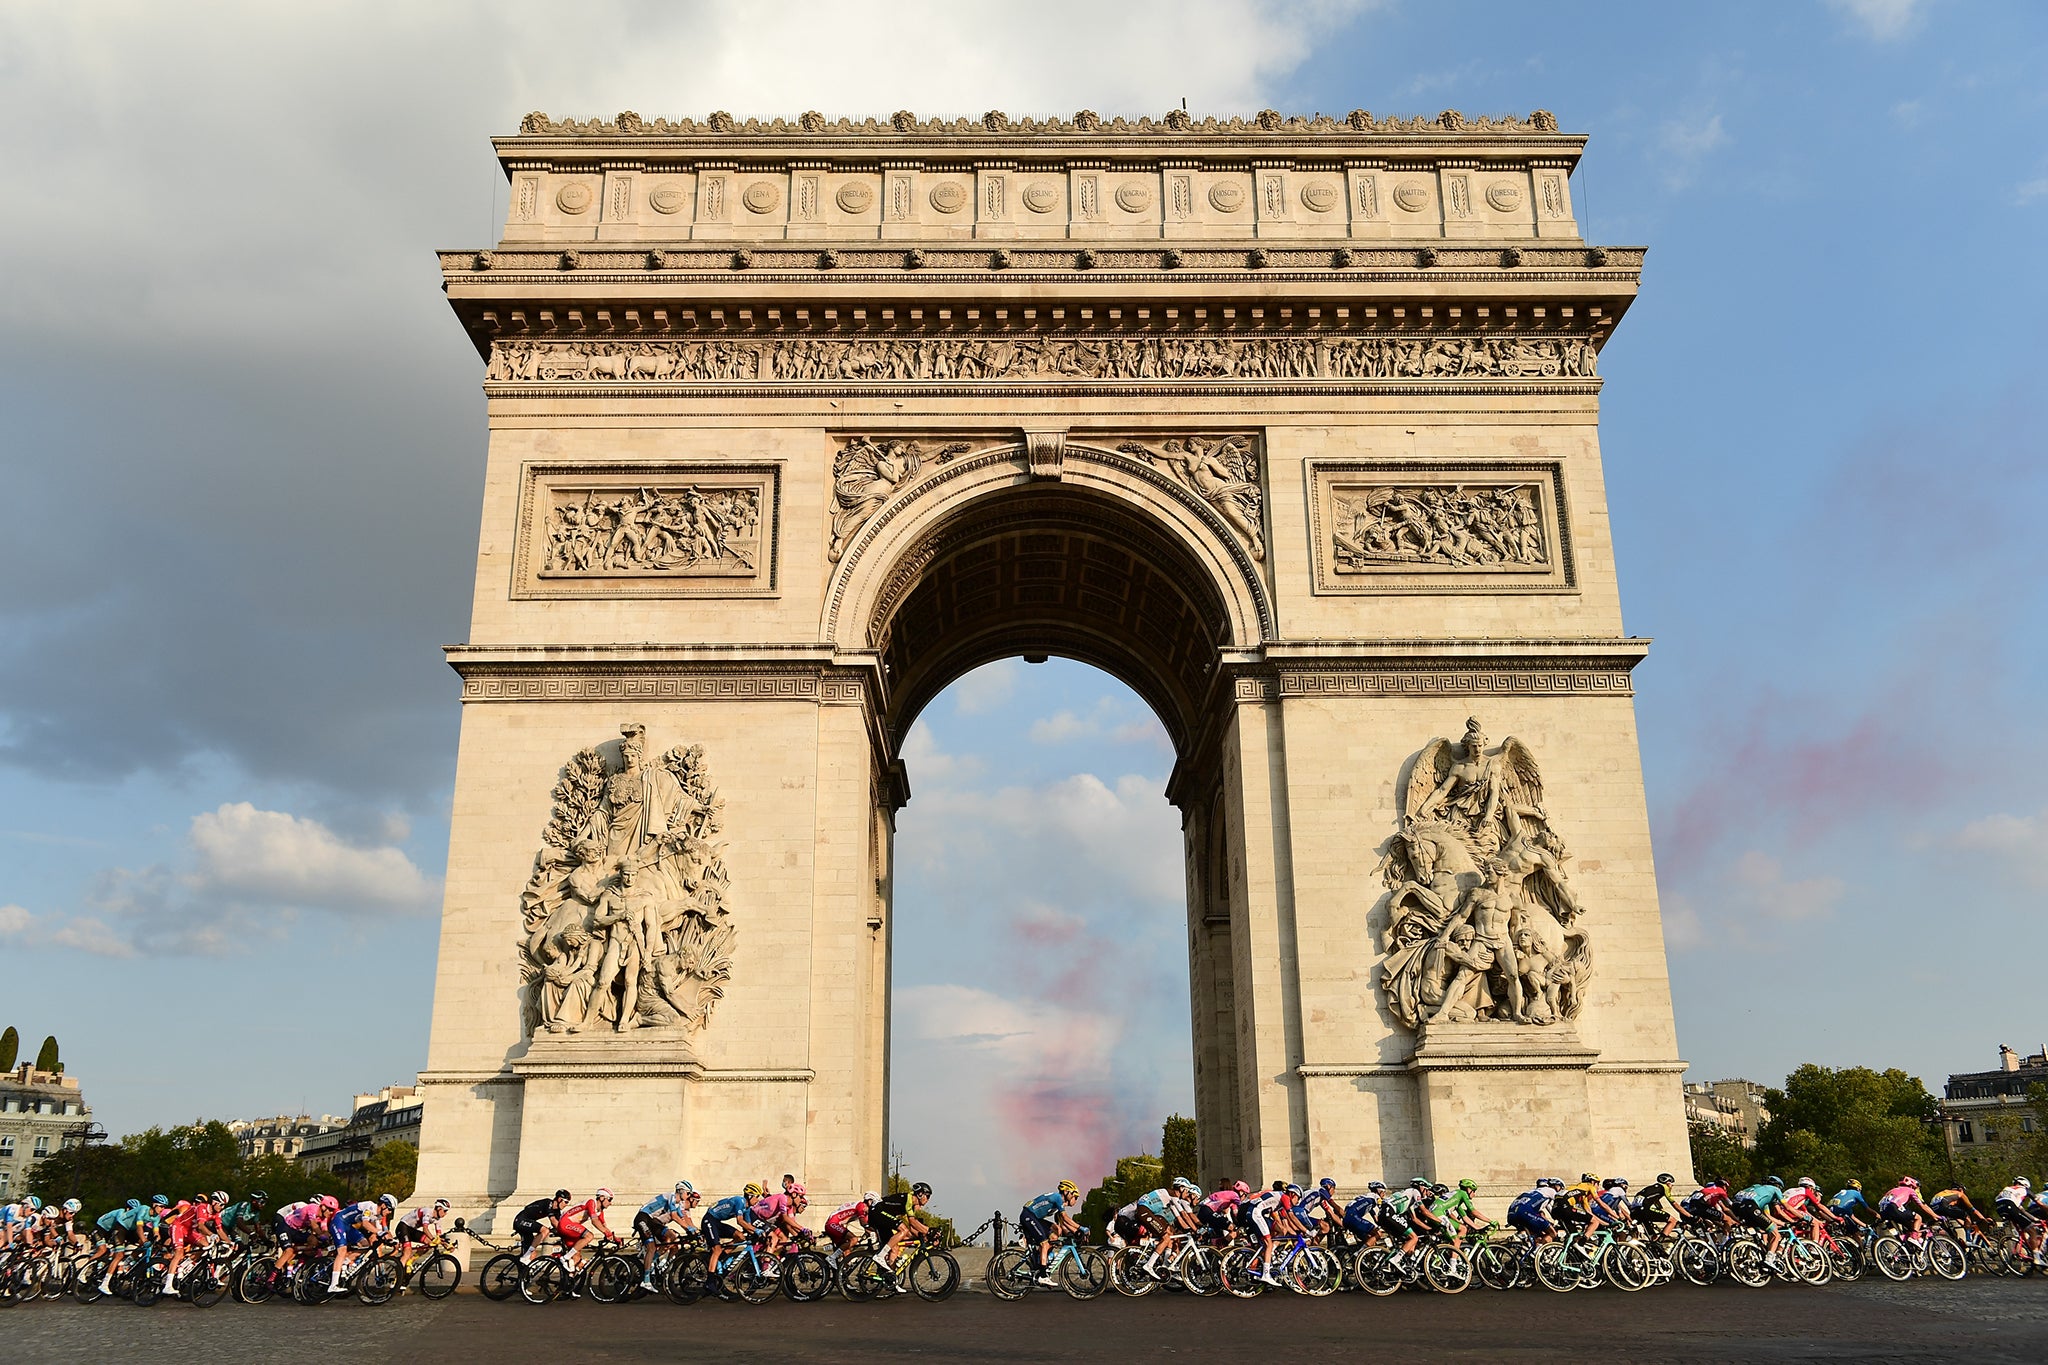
(73, 1206)
(1440, 1191)
(1855, 1185)
(1909, 1182)
(442, 1206)
(1241, 1188)
(389, 1201)
(160, 1201)
(1181, 1182)
(1666, 1178)
(562, 1195)
(2018, 1180)
(135, 1203)
(1327, 1183)
(1587, 1177)
(921, 1190)
(1617, 1184)
(1294, 1189)
(1468, 1184)
(258, 1198)
(685, 1187)
(1418, 1183)
(330, 1203)
(220, 1196)
(1069, 1190)
(750, 1192)
(1806, 1181)
(797, 1193)
(603, 1196)
(1377, 1186)
(33, 1204)
(1777, 1180)
(871, 1198)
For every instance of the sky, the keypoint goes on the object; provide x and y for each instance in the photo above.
(244, 440)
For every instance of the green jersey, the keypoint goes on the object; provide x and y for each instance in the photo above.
(1456, 1204)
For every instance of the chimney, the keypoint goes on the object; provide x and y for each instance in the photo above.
(2008, 1060)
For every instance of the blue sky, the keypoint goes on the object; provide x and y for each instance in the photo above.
(244, 439)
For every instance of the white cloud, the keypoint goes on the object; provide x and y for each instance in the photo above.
(1062, 726)
(1759, 880)
(1074, 838)
(15, 922)
(987, 688)
(1683, 931)
(270, 856)
(2020, 842)
(1109, 719)
(1685, 143)
(2030, 190)
(1884, 20)
(932, 767)
(19, 927)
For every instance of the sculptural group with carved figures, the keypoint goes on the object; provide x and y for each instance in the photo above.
(1481, 919)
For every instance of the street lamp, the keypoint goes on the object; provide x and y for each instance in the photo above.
(81, 1136)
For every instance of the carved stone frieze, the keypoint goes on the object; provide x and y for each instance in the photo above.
(1057, 359)
(867, 471)
(647, 685)
(624, 923)
(632, 530)
(1413, 525)
(1176, 124)
(1482, 922)
(1223, 471)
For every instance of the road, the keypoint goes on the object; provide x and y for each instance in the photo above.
(1984, 1322)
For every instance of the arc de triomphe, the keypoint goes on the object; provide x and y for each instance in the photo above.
(1289, 423)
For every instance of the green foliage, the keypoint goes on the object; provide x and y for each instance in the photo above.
(392, 1169)
(1989, 1167)
(1134, 1175)
(1852, 1123)
(46, 1058)
(1177, 1150)
(10, 1048)
(1716, 1151)
(177, 1162)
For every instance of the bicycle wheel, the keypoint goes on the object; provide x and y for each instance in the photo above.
(544, 1281)
(1127, 1275)
(500, 1278)
(1626, 1266)
(1448, 1270)
(1553, 1272)
(1746, 1265)
(806, 1277)
(1085, 1273)
(253, 1282)
(1011, 1274)
(613, 1278)
(862, 1278)
(439, 1275)
(1946, 1258)
(2015, 1259)
(207, 1285)
(1848, 1261)
(685, 1275)
(85, 1286)
(934, 1275)
(1240, 1280)
(377, 1282)
(755, 1279)
(149, 1287)
(1809, 1262)
(1697, 1261)
(1497, 1264)
(1892, 1257)
(1372, 1270)
(1316, 1273)
(1201, 1273)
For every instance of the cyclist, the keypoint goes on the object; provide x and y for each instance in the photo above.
(15, 1217)
(1609, 1208)
(657, 1222)
(1420, 1217)
(1760, 1206)
(777, 1212)
(1903, 1205)
(728, 1220)
(1168, 1211)
(1710, 1204)
(1851, 1207)
(1654, 1208)
(355, 1225)
(193, 1224)
(1574, 1204)
(122, 1228)
(2011, 1203)
(420, 1229)
(64, 1223)
(2039, 1208)
(574, 1225)
(1455, 1208)
(1217, 1209)
(1530, 1210)
(1803, 1205)
(842, 1224)
(895, 1221)
(1047, 1217)
(1317, 1209)
(1361, 1215)
(1261, 1212)
(239, 1222)
(535, 1220)
(1954, 1204)
(297, 1224)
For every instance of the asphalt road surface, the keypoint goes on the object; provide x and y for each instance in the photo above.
(1983, 1321)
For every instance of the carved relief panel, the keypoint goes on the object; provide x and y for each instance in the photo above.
(1431, 526)
(622, 530)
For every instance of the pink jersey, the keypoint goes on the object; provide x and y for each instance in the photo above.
(1221, 1201)
(771, 1208)
(1900, 1196)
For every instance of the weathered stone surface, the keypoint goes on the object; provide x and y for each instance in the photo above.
(1317, 471)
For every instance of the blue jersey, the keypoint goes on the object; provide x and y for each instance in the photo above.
(662, 1206)
(732, 1208)
(1763, 1196)
(1612, 1204)
(1366, 1206)
(1849, 1201)
(1532, 1204)
(1046, 1206)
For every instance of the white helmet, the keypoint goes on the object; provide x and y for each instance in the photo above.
(603, 1194)
(870, 1197)
(685, 1187)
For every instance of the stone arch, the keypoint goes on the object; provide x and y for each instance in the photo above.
(1111, 563)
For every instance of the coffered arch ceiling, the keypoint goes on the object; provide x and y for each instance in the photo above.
(1045, 569)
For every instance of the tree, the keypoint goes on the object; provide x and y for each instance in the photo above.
(10, 1048)
(1852, 1123)
(1177, 1150)
(1716, 1151)
(46, 1059)
(392, 1169)
(1134, 1175)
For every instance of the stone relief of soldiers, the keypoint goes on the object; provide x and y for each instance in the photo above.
(653, 530)
(1436, 525)
(1046, 358)
(1482, 922)
(625, 921)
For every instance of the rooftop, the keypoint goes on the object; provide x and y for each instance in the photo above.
(1175, 123)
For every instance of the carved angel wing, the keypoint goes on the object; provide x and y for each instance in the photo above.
(1235, 454)
(1522, 783)
(857, 458)
(1432, 765)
